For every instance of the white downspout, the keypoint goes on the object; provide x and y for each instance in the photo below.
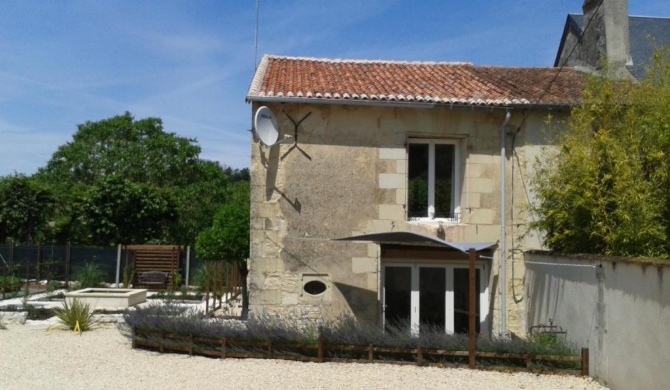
(503, 238)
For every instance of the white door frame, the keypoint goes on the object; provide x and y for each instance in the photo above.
(415, 309)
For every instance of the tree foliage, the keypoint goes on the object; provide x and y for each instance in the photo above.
(228, 237)
(115, 210)
(137, 150)
(604, 190)
(120, 165)
(26, 208)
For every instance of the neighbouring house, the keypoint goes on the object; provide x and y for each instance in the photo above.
(406, 158)
(628, 42)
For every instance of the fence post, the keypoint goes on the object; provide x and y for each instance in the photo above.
(11, 252)
(37, 267)
(224, 347)
(585, 361)
(472, 349)
(67, 265)
(28, 275)
(319, 346)
(4, 281)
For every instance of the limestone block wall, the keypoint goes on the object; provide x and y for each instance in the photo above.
(347, 175)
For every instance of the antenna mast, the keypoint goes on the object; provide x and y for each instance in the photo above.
(256, 38)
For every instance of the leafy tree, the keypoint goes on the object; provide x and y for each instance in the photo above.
(238, 174)
(605, 188)
(139, 152)
(115, 210)
(26, 208)
(198, 201)
(228, 237)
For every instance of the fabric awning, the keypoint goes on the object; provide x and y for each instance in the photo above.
(412, 238)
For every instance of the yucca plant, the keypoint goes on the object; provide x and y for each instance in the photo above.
(76, 313)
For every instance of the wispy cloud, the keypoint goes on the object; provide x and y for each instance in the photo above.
(67, 62)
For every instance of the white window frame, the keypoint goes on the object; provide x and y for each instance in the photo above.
(456, 184)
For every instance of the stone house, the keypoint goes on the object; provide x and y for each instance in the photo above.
(426, 160)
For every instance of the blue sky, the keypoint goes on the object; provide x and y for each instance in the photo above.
(190, 63)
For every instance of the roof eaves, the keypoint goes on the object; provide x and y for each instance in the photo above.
(472, 105)
(257, 81)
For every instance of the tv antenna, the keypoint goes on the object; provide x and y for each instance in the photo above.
(295, 135)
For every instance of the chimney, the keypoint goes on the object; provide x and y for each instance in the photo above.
(607, 36)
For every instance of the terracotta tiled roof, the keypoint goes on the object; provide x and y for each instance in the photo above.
(288, 78)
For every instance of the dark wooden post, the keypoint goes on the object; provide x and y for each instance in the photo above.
(37, 267)
(67, 265)
(472, 308)
(319, 349)
(224, 343)
(585, 361)
(4, 281)
(127, 275)
(11, 253)
(208, 272)
(28, 275)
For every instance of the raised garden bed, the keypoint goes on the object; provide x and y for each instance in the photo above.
(108, 298)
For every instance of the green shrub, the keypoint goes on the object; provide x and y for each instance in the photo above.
(76, 313)
(89, 276)
(53, 285)
(10, 284)
(39, 313)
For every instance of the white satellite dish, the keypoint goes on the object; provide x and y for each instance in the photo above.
(266, 126)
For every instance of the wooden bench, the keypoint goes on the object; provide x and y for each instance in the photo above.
(153, 280)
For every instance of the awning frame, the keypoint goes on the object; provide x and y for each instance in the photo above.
(418, 239)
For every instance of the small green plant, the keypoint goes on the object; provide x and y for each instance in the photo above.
(39, 313)
(175, 281)
(26, 294)
(10, 284)
(90, 275)
(53, 285)
(76, 313)
(2, 324)
(128, 276)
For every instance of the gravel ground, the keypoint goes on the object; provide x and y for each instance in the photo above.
(32, 357)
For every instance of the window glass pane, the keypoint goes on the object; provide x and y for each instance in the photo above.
(398, 296)
(462, 300)
(444, 172)
(417, 181)
(432, 287)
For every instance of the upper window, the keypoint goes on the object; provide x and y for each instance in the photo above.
(432, 180)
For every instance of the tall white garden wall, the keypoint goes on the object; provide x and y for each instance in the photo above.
(618, 308)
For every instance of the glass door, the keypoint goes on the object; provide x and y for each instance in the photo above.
(422, 296)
